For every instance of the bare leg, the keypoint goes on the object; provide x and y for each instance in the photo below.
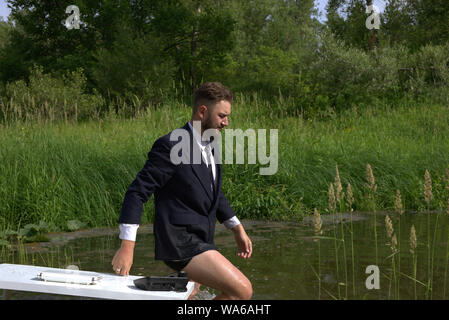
(212, 269)
(194, 291)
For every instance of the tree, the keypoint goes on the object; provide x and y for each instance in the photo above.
(415, 23)
(429, 22)
(41, 38)
(134, 70)
(350, 26)
(197, 36)
(5, 29)
(274, 41)
(396, 25)
(335, 21)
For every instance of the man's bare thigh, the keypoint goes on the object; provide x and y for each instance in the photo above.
(212, 269)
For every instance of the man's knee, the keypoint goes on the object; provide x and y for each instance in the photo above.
(247, 292)
(243, 292)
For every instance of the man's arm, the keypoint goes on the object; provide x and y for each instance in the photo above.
(244, 244)
(224, 210)
(232, 222)
(157, 171)
(128, 231)
(226, 215)
(123, 258)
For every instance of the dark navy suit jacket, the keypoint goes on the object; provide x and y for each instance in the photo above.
(186, 208)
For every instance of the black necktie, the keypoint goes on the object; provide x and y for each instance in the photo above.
(209, 166)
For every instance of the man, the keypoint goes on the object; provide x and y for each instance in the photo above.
(188, 200)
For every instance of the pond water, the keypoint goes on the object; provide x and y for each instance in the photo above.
(288, 260)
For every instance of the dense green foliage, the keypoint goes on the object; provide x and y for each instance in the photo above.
(80, 108)
(143, 54)
(62, 172)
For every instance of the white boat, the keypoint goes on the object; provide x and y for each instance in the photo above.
(80, 283)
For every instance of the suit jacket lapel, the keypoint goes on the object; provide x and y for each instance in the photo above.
(218, 181)
(202, 174)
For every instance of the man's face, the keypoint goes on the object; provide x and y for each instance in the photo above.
(217, 116)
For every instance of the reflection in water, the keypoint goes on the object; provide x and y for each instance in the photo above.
(284, 264)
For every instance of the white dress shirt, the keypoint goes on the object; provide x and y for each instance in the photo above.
(129, 231)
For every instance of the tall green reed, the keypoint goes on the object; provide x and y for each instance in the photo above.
(399, 210)
(332, 210)
(413, 246)
(53, 257)
(372, 188)
(111, 149)
(427, 198)
(350, 201)
(317, 224)
(446, 179)
(339, 197)
(393, 246)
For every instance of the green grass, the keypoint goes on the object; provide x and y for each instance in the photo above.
(56, 172)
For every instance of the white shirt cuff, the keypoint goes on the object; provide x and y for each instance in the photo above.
(232, 222)
(128, 231)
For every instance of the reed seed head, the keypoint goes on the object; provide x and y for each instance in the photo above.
(338, 187)
(427, 187)
(394, 243)
(317, 222)
(332, 204)
(370, 178)
(398, 203)
(350, 197)
(389, 226)
(413, 240)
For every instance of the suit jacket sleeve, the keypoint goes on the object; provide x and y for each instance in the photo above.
(157, 170)
(224, 211)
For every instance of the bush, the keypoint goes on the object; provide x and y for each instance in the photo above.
(432, 65)
(344, 74)
(46, 96)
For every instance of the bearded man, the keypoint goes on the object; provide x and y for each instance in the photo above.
(188, 201)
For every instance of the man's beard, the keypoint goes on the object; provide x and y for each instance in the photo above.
(208, 124)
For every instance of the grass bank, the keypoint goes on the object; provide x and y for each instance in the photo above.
(60, 172)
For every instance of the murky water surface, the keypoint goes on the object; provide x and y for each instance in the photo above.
(288, 261)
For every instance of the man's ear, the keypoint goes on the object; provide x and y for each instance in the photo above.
(202, 111)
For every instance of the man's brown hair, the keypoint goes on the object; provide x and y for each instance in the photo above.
(210, 93)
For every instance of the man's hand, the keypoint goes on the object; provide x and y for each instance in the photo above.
(244, 245)
(123, 259)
